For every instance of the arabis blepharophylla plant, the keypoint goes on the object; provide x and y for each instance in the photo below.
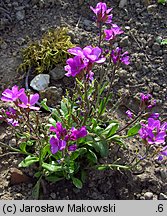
(78, 132)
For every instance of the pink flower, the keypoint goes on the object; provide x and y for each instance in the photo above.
(118, 57)
(12, 95)
(93, 54)
(110, 34)
(129, 114)
(102, 13)
(153, 132)
(75, 66)
(78, 133)
(29, 101)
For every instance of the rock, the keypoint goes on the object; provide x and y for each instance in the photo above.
(53, 95)
(53, 195)
(40, 82)
(12, 142)
(148, 195)
(151, 8)
(17, 177)
(57, 73)
(156, 47)
(122, 3)
(125, 41)
(20, 15)
(163, 173)
(162, 196)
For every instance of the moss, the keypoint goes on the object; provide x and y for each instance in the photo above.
(45, 54)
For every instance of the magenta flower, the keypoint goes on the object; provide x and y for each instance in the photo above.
(110, 34)
(75, 65)
(93, 54)
(63, 136)
(129, 114)
(72, 147)
(57, 144)
(77, 51)
(76, 134)
(154, 115)
(102, 13)
(12, 95)
(59, 130)
(147, 101)
(162, 153)
(153, 132)
(29, 101)
(12, 122)
(118, 57)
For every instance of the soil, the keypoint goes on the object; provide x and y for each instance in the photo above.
(144, 23)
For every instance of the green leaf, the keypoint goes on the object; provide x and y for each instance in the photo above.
(112, 166)
(44, 151)
(44, 105)
(36, 190)
(23, 147)
(91, 156)
(101, 147)
(162, 2)
(64, 108)
(77, 153)
(164, 42)
(134, 130)
(37, 174)
(28, 161)
(53, 178)
(77, 182)
(51, 167)
(83, 176)
(52, 121)
(111, 129)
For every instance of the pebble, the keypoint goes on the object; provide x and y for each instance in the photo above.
(53, 95)
(57, 73)
(163, 173)
(53, 195)
(12, 142)
(20, 15)
(162, 196)
(156, 47)
(125, 41)
(17, 176)
(148, 195)
(122, 3)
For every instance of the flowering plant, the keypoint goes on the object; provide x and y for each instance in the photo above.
(77, 133)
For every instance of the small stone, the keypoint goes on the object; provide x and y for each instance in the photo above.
(17, 177)
(53, 195)
(57, 73)
(20, 15)
(151, 8)
(4, 45)
(148, 195)
(162, 196)
(125, 41)
(163, 173)
(53, 95)
(156, 47)
(12, 142)
(122, 3)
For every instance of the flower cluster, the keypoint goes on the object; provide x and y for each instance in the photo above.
(63, 136)
(154, 133)
(118, 57)
(83, 60)
(20, 100)
(103, 16)
(102, 13)
(147, 101)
